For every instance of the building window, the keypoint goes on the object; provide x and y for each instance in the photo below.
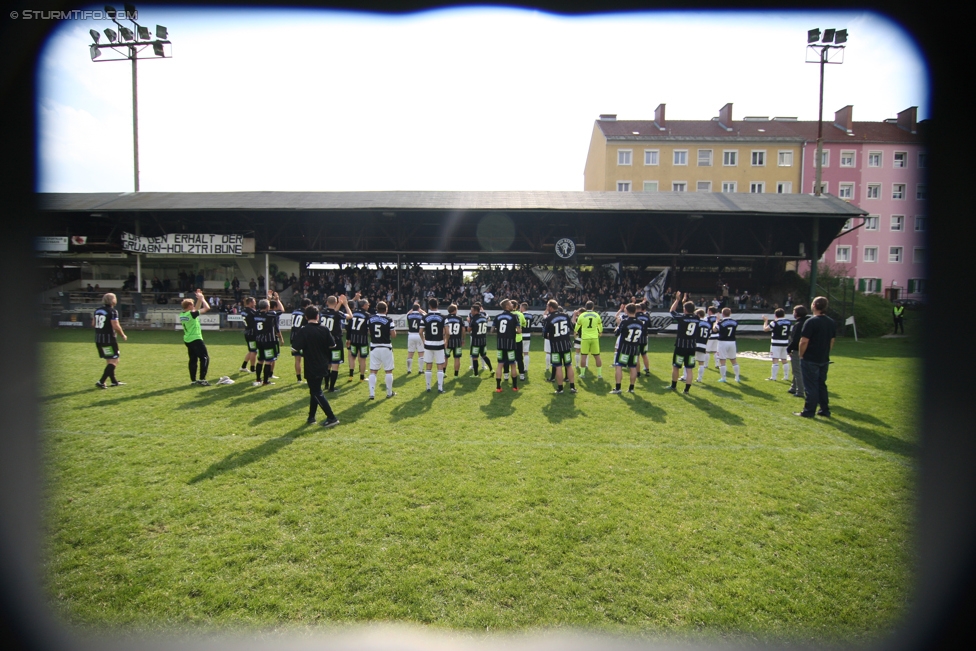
(870, 254)
(703, 186)
(651, 156)
(650, 186)
(759, 158)
(921, 192)
(704, 158)
(898, 191)
(894, 253)
(897, 222)
(870, 285)
(730, 157)
(825, 159)
(623, 186)
(871, 223)
(823, 188)
(843, 254)
(923, 160)
(679, 186)
(847, 158)
(728, 187)
(845, 190)
(847, 225)
(873, 191)
(757, 187)
(785, 159)
(624, 156)
(680, 156)
(916, 285)
(784, 187)
(874, 159)
(920, 224)
(901, 159)
(918, 255)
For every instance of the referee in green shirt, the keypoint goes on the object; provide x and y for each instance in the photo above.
(193, 338)
(589, 325)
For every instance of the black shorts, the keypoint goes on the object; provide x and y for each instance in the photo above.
(108, 351)
(337, 355)
(268, 352)
(683, 357)
(196, 348)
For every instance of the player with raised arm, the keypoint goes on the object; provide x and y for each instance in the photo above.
(506, 326)
(358, 338)
(414, 342)
(780, 328)
(701, 343)
(105, 320)
(268, 339)
(334, 319)
(454, 327)
(297, 323)
(557, 329)
(726, 327)
(381, 333)
(590, 326)
(526, 337)
(247, 313)
(712, 348)
(645, 319)
(478, 327)
(434, 336)
(685, 341)
(629, 334)
(519, 338)
(193, 338)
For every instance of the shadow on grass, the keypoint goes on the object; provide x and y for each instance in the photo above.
(236, 460)
(285, 411)
(353, 412)
(561, 407)
(642, 407)
(58, 396)
(750, 391)
(502, 404)
(141, 396)
(876, 440)
(465, 384)
(714, 411)
(415, 406)
(858, 416)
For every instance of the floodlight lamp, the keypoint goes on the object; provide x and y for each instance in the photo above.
(161, 32)
(813, 35)
(828, 36)
(95, 52)
(110, 11)
(111, 35)
(840, 36)
(126, 33)
(130, 12)
(94, 34)
(143, 33)
(158, 49)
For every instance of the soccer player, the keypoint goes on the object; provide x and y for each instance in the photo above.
(801, 315)
(334, 320)
(381, 333)
(267, 338)
(645, 319)
(702, 337)
(629, 334)
(358, 338)
(726, 328)
(712, 347)
(192, 337)
(526, 338)
(316, 344)
(105, 320)
(434, 336)
(478, 327)
(590, 325)
(414, 343)
(519, 353)
(297, 323)
(252, 348)
(454, 327)
(506, 326)
(684, 343)
(557, 330)
(779, 340)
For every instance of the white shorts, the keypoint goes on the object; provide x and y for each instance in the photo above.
(381, 358)
(701, 356)
(778, 352)
(414, 343)
(726, 350)
(525, 345)
(434, 356)
(545, 346)
(711, 346)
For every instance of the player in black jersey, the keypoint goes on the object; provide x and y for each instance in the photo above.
(297, 323)
(454, 327)
(105, 320)
(645, 319)
(252, 347)
(506, 326)
(701, 343)
(558, 332)
(779, 330)
(478, 328)
(726, 327)
(434, 336)
(414, 343)
(268, 338)
(684, 342)
(357, 338)
(381, 333)
(629, 334)
(334, 319)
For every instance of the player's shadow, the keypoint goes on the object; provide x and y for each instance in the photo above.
(501, 404)
(856, 415)
(140, 396)
(236, 460)
(713, 410)
(642, 407)
(207, 396)
(410, 408)
(358, 410)
(874, 439)
(464, 384)
(753, 392)
(58, 396)
(561, 407)
(290, 410)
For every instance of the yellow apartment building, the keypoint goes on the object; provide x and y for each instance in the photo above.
(756, 154)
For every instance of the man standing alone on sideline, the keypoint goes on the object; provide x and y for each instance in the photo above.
(316, 345)
(816, 342)
(898, 314)
(106, 324)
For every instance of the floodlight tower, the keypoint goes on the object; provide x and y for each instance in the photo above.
(821, 46)
(130, 43)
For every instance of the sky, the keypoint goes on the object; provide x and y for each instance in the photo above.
(459, 99)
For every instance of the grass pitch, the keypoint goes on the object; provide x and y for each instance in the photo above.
(654, 514)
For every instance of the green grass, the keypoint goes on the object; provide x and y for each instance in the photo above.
(656, 514)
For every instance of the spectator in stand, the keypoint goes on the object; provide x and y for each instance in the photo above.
(253, 286)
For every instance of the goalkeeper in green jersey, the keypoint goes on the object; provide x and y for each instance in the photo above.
(589, 325)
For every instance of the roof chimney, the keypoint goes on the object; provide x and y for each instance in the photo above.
(608, 117)
(659, 117)
(844, 119)
(725, 117)
(908, 119)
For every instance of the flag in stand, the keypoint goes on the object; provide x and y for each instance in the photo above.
(613, 269)
(543, 275)
(654, 290)
(573, 277)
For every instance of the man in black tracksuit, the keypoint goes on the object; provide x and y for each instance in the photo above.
(316, 344)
